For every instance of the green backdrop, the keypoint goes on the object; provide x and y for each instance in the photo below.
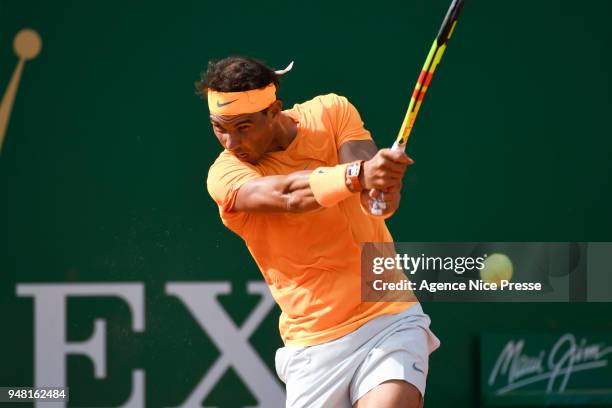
(105, 157)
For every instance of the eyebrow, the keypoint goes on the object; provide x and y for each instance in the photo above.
(242, 122)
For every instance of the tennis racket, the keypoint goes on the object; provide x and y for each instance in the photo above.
(377, 204)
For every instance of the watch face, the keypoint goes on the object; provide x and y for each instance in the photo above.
(352, 170)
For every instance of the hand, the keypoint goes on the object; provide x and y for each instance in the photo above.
(385, 170)
(391, 198)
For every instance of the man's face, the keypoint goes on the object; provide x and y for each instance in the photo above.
(246, 136)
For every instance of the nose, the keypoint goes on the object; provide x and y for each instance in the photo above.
(232, 141)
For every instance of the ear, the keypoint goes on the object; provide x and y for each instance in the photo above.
(275, 108)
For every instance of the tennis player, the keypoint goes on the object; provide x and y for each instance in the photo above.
(294, 185)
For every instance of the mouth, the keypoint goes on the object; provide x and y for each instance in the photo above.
(242, 156)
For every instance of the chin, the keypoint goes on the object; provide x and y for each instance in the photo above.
(248, 158)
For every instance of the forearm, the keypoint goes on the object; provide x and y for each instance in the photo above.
(357, 150)
(299, 197)
(306, 190)
(286, 193)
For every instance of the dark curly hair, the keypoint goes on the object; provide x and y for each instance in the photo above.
(234, 74)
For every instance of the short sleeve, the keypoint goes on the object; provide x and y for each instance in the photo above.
(346, 121)
(225, 177)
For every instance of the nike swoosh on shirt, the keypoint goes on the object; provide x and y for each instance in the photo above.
(220, 105)
(414, 366)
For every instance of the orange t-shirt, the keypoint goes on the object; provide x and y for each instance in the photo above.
(310, 261)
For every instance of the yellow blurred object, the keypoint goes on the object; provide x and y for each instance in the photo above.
(497, 267)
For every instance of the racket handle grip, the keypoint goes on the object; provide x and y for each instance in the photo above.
(377, 204)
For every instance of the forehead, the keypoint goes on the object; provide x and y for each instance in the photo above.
(235, 119)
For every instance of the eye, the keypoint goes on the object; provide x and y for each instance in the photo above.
(218, 128)
(243, 128)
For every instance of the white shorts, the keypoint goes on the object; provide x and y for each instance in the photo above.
(338, 373)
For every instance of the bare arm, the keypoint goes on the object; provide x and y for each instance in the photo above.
(357, 150)
(292, 193)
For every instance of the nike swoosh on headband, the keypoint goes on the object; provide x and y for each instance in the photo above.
(220, 105)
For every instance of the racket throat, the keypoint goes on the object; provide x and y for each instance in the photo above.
(399, 146)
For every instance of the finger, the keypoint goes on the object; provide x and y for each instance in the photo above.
(396, 156)
(374, 194)
(388, 164)
(394, 167)
(389, 177)
(395, 188)
(391, 198)
(386, 183)
(391, 203)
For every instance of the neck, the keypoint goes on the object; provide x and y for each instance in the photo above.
(285, 130)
